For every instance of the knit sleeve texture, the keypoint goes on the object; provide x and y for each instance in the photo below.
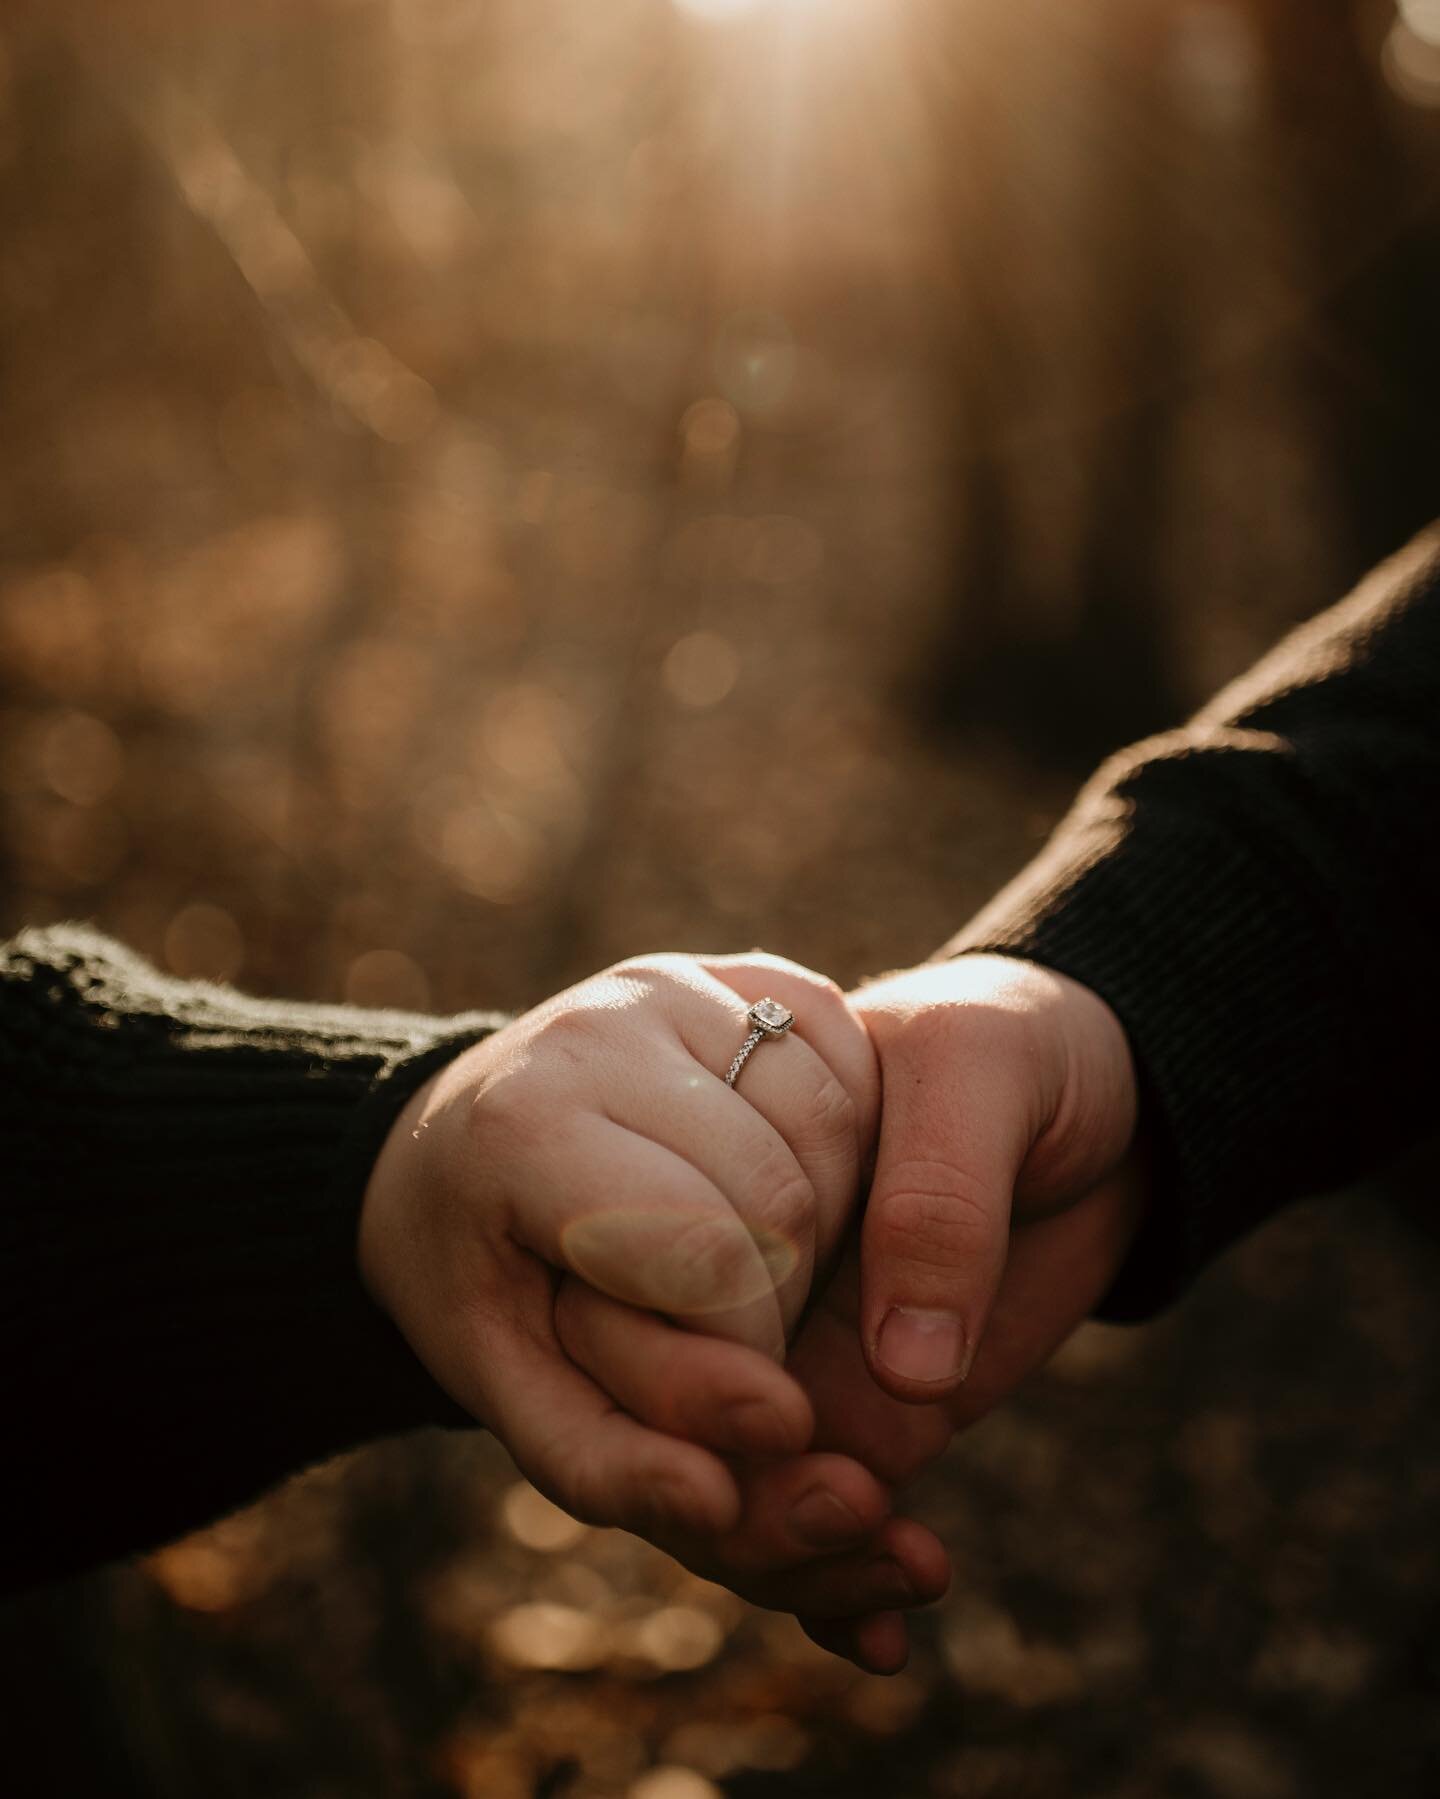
(1257, 897)
(182, 1322)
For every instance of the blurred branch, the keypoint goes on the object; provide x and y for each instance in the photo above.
(362, 378)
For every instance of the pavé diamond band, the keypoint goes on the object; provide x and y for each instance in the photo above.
(768, 1018)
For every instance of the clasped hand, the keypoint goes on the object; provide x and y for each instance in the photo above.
(660, 1292)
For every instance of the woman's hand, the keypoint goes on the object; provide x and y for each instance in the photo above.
(595, 1138)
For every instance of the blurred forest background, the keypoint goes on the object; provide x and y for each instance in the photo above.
(490, 486)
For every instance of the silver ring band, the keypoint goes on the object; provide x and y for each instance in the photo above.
(768, 1018)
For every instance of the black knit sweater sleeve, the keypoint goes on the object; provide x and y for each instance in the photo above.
(181, 1319)
(1257, 896)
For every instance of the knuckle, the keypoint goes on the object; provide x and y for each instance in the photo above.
(586, 1488)
(501, 1112)
(578, 1038)
(833, 1121)
(835, 1008)
(709, 1266)
(586, 1014)
(570, 1043)
(621, 986)
(648, 972)
(819, 989)
(757, 961)
(833, 992)
(819, 985)
(828, 1014)
(778, 1196)
(932, 1209)
(586, 1493)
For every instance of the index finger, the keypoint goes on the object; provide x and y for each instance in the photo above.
(649, 1229)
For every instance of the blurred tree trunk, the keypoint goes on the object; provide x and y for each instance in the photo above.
(1074, 663)
(1368, 228)
(1072, 669)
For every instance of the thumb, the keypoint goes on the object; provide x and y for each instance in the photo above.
(956, 1126)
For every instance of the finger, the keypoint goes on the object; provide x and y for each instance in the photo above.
(721, 1394)
(784, 1145)
(803, 1507)
(876, 1584)
(574, 1444)
(854, 1415)
(649, 1229)
(823, 1019)
(804, 1510)
(879, 1644)
(903, 1565)
(746, 1156)
(813, 1124)
(690, 1110)
(1057, 1271)
(952, 1138)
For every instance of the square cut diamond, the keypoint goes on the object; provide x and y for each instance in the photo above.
(771, 1016)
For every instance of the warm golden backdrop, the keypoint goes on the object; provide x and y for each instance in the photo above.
(494, 485)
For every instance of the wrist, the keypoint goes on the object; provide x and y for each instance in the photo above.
(380, 1234)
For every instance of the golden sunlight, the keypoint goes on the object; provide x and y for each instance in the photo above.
(1422, 17)
(734, 9)
(718, 9)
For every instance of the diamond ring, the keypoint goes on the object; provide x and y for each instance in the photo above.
(768, 1018)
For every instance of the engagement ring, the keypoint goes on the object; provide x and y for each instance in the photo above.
(768, 1019)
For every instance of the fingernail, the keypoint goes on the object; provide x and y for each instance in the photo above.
(923, 1346)
(757, 1426)
(825, 1522)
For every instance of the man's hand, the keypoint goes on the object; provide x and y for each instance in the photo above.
(1009, 1091)
(1007, 1190)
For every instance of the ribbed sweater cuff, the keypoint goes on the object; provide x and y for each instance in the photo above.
(1255, 895)
(1222, 1020)
(182, 1307)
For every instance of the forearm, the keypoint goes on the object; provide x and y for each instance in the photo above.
(1254, 895)
(182, 1318)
